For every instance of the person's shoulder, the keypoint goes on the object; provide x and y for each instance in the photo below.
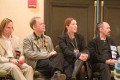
(15, 37)
(110, 38)
(30, 36)
(79, 36)
(62, 35)
(46, 36)
(93, 40)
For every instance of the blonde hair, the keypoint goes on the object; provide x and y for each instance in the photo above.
(3, 23)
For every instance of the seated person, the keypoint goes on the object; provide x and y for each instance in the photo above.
(75, 54)
(11, 56)
(39, 51)
(103, 51)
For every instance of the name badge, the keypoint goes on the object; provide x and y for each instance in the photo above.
(114, 54)
(76, 51)
(113, 48)
(43, 51)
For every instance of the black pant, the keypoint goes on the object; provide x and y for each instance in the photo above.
(49, 66)
(104, 69)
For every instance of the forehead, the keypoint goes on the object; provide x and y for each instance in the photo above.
(73, 21)
(9, 24)
(106, 25)
(39, 20)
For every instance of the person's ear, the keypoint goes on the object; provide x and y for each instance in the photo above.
(100, 29)
(67, 27)
(34, 26)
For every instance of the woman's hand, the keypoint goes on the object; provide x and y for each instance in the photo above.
(83, 56)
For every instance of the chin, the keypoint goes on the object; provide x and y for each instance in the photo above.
(108, 35)
(75, 31)
(44, 30)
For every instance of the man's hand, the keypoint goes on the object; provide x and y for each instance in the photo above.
(111, 61)
(52, 53)
(14, 61)
(83, 56)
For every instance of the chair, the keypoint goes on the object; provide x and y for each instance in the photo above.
(97, 76)
(118, 47)
(3, 75)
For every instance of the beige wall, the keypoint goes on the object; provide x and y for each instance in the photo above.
(18, 11)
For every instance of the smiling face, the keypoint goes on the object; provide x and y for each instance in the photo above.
(72, 27)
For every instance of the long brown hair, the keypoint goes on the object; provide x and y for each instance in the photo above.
(4, 22)
(67, 23)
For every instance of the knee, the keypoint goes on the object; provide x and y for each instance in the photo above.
(30, 68)
(13, 66)
(104, 67)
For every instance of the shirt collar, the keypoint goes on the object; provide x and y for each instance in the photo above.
(37, 37)
(6, 38)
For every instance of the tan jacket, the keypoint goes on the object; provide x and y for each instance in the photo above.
(32, 51)
(3, 48)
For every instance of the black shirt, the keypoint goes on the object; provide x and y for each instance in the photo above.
(106, 52)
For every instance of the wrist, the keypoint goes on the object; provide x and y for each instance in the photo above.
(9, 59)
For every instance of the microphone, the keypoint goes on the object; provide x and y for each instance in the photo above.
(18, 51)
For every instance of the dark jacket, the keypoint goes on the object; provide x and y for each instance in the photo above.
(67, 47)
(69, 55)
(95, 49)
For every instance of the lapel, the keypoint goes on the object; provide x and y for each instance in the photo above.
(2, 43)
(98, 42)
(13, 42)
(67, 39)
(35, 41)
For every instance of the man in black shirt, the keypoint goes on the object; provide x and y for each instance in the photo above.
(103, 51)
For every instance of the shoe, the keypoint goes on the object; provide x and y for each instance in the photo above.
(58, 76)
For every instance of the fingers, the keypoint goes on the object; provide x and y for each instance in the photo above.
(83, 57)
(14, 61)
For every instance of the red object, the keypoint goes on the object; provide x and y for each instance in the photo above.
(18, 53)
(21, 61)
(32, 3)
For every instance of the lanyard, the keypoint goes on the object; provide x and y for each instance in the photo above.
(41, 42)
(75, 46)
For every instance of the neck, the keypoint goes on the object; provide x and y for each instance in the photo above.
(38, 34)
(102, 37)
(71, 35)
(6, 36)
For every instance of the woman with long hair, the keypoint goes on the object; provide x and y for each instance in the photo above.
(75, 54)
